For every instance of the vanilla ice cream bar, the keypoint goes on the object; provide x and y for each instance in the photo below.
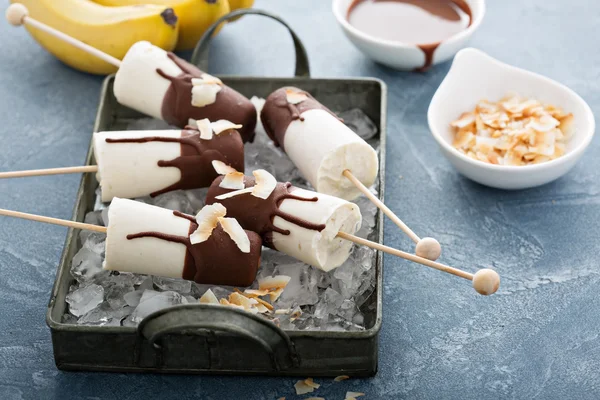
(207, 249)
(164, 86)
(318, 143)
(300, 223)
(139, 163)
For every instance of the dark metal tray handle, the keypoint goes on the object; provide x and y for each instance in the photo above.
(196, 318)
(200, 55)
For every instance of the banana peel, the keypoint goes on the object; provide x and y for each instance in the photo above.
(110, 29)
(195, 16)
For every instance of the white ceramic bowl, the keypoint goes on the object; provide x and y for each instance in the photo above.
(400, 55)
(475, 76)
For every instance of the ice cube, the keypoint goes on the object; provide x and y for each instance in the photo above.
(105, 315)
(152, 301)
(104, 216)
(133, 298)
(368, 211)
(302, 288)
(85, 299)
(96, 242)
(115, 293)
(176, 200)
(86, 265)
(196, 198)
(359, 122)
(178, 285)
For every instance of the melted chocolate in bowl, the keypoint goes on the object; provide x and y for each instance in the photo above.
(425, 23)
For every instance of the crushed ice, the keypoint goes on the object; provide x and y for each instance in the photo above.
(315, 300)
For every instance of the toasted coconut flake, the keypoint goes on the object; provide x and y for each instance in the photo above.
(264, 303)
(274, 295)
(296, 313)
(255, 293)
(203, 126)
(311, 383)
(262, 309)
(223, 125)
(295, 97)
(283, 311)
(341, 378)
(233, 180)
(206, 78)
(207, 219)
(353, 395)
(265, 184)
(514, 131)
(247, 303)
(236, 233)
(221, 168)
(209, 298)
(274, 282)
(302, 388)
(204, 93)
(281, 398)
(234, 193)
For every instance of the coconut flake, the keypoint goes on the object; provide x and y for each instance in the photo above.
(203, 126)
(236, 298)
(221, 168)
(341, 378)
(234, 193)
(311, 383)
(204, 94)
(302, 388)
(233, 180)
(192, 123)
(255, 293)
(274, 295)
(265, 184)
(209, 298)
(207, 219)
(235, 232)
(223, 125)
(295, 97)
(353, 395)
(274, 282)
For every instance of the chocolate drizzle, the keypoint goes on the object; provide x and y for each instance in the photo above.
(195, 162)
(257, 214)
(394, 20)
(277, 113)
(218, 260)
(230, 105)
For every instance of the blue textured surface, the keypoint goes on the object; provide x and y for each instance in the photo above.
(536, 338)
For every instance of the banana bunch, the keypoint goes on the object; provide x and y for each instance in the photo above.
(114, 25)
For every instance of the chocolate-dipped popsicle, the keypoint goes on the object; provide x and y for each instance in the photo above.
(139, 163)
(162, 85)
(320, 145)
(297, 222)
(207, 249)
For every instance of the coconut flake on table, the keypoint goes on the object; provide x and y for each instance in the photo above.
(311, 299)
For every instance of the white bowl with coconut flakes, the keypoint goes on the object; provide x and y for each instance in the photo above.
(475, 76)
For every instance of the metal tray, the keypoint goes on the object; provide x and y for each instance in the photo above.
(213, 339)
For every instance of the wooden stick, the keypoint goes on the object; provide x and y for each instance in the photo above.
(55, 221)
(49, 171)
(406, 256)
(17, 14)
(365, 190)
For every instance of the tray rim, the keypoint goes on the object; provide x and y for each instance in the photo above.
(379, 263)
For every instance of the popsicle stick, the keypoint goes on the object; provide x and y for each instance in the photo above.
(17, 14)
(426, 247)
(485, 281)
(55, 221)
(49, 171)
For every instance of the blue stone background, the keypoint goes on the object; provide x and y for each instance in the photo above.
(536, 338)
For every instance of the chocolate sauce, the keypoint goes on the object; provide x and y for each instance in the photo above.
(277, 113)
(230, 105)
(216, 261)
(195, 162)
(257, 214)
(425, 23)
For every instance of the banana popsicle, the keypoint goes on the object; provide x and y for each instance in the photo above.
(164, 86)
(300, 223)
(208, 249)
(139, 163)
(318, 143)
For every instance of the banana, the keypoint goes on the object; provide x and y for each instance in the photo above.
(237, 4)
(195, 16)
(110, 29)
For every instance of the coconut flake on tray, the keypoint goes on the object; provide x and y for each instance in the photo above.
(293, 295)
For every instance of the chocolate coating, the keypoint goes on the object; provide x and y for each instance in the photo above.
(216, 261)
(277, 113)
(197, 155)
(230, 105)
(256, 214)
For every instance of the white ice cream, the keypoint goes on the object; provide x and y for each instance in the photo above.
(138, 85)
(320, 249)
(131, 170)
(322, 147)
(144, 255)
